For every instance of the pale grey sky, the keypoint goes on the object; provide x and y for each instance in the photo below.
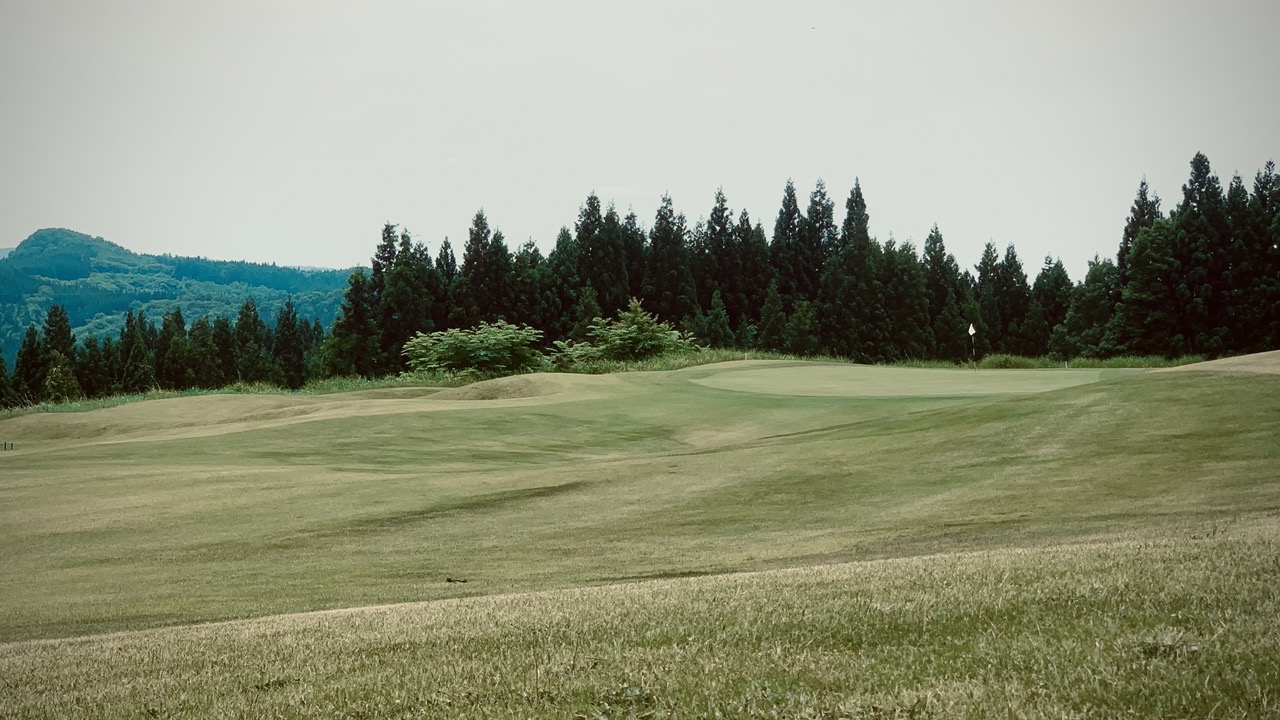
(289, 132)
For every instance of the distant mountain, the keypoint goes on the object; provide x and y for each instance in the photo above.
(99, 281)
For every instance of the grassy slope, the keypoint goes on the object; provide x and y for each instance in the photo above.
(293, 504)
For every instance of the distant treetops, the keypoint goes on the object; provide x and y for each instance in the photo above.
(1204, 279)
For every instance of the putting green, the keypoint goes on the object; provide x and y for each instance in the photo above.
(834, 380)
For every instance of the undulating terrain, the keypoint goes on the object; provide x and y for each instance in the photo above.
(754, 539)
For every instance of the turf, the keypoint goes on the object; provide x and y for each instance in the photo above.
(189, 510)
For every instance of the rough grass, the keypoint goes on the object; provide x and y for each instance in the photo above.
(1078, 550)
(1173, 625)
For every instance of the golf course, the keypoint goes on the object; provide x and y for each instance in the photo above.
(755, 538)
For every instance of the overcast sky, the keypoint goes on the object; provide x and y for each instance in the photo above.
(289, 132)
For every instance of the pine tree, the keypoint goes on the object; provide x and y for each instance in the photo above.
(561, 303)
(531, 287)
(752, 283)
(784, 250)
(206, 362)
(57, 336)
(287, 350)
(60, 384)
(484, 282)
(93, 372)
(584, 313)
(1145, 211)
(902, 277)
(404, 307)
(986, 296)
(802, 329)
(355, 345)
(602, 254)
(384, 257)
(636, 247)
(30, 369)
(7, 398)
(444, 301)
(1051, 297)
(773, 321)
(716, 331)
(253, 345)
(1200, 247)
(1013, 296)
(668, 287)
(1146, 321)
(224, 341)
(1093, 301)
(722, 261)
(853, 317)
(174, 370)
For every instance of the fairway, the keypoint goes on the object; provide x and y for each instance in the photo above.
(567, 499)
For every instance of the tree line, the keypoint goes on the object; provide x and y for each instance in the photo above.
(1205, 279)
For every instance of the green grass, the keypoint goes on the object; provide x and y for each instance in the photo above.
(965, 544)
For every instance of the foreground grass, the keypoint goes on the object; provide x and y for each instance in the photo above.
(1178, 622)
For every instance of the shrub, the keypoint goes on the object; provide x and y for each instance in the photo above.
(489, 349)
(634, 335)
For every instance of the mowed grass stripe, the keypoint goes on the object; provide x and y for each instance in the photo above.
(648, 474)
(1169, 625)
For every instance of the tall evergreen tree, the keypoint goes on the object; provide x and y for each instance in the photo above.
(784, 250)
(253, 345)
(57, 336)
(174, 366)
(60, 383)
(636, 246)
(404, 307)
(986, 295)
(562, 265)
(287, 350)
(93, 371)
(484, 281)
(902, 277)
(1200, 248)
(752, 283)
(1145, 211)
(773, 321)
(721, 263)
(854, 319)
(7, 399)
(355, 344)
(224, 341)
(1146, 321)
(817, 240)
(384, 257)
(30, 368)
(1092, 303)
(668, 287)
(1050, 300)
(602, 254)
(531, 287)
(206, 365)
(1013, 297)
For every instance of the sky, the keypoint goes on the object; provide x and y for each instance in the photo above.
(290, 132)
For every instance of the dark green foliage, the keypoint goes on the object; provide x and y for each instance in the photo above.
(747, 290)
(948, 292)
(206, 364)
(1092, 304)
(719, 261)
(224, 342)
(253, 345)
(288, 349)
(1050, 300)
(801, 333)
(1145, 211)
(602, 254)
(634, 335)
(986, 295)
(1146, 321)
(854, 320)
(585, 313)
(57, 336)
(175, 369)
(7, 398)
(60, 383)
(1013, 296)
(712, 328)
(489, 349)
(531, 285)
(354, 347)
(784, 251)
(668, 285)
(772, 332)
(906, 306)
(562, 298)
(30, 370)
(404, 303)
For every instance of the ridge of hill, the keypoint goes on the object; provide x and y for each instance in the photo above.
(4, 252)
(100, 281)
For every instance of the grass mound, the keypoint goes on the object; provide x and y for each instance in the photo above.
(1267, 363)
(507, 388)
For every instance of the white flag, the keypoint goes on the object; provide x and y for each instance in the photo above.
(972, 332)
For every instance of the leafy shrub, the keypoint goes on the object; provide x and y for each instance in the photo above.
(489, 349)
(635, 335)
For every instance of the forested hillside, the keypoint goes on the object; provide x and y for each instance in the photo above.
(1204, 279)
(97, 282)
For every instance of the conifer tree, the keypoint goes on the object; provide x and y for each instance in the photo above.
(1145, 211)
(60, 384)
(772, 333)
(30, 369)
(531, 286)
(93, 372)
(854, 319)
(384, 257)
(602, 254)
(224, 340)
(1200, 250)
(756, 276)
(668, 287)
(802, 329)
(206, 362)
(562, 262)
(784, 250)
(253, 345)
(1093, 301)
(173, 353)
(721, 263)
(716, 331)
(404, 307)
(1050, 300)
(909, 335)
(1146, 321)
(7, 399)
(636, 247)
(287, 349)
(57, 336)
(986, 295)
(354, 346)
